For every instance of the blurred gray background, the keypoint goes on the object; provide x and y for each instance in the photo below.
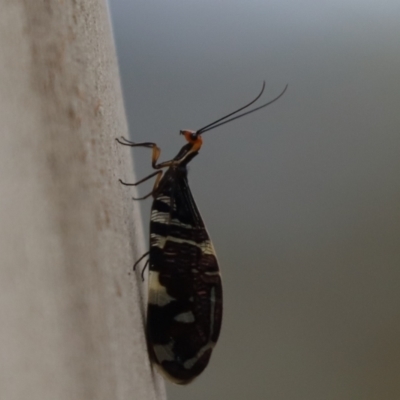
(301, 199)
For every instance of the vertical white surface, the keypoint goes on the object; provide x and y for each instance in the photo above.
(71, 313)
(301, 199)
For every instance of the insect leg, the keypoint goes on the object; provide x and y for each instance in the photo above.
(155, 154)
(145, 265)
(154, 157)
(141, 181)
(159, 175)
(144, 268)
(140, 259)
(127, 142)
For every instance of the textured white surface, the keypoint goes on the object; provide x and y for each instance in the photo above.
(71, 316)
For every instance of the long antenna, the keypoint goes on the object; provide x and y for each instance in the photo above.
(204, 128)
(212, 126)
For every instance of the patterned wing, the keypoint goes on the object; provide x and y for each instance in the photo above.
(185, 293)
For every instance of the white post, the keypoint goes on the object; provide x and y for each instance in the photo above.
(71, 311)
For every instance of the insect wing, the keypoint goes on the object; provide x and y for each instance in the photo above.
(185, 293)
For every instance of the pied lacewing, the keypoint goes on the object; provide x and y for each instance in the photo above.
(185, 292)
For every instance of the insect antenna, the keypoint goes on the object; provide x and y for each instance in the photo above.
(215, 124)
(204, 128)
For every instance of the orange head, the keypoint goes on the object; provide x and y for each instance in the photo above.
(193, 138)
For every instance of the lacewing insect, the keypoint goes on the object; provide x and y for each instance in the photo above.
(185, 292)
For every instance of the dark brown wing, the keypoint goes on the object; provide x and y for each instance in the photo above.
(185, 292)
